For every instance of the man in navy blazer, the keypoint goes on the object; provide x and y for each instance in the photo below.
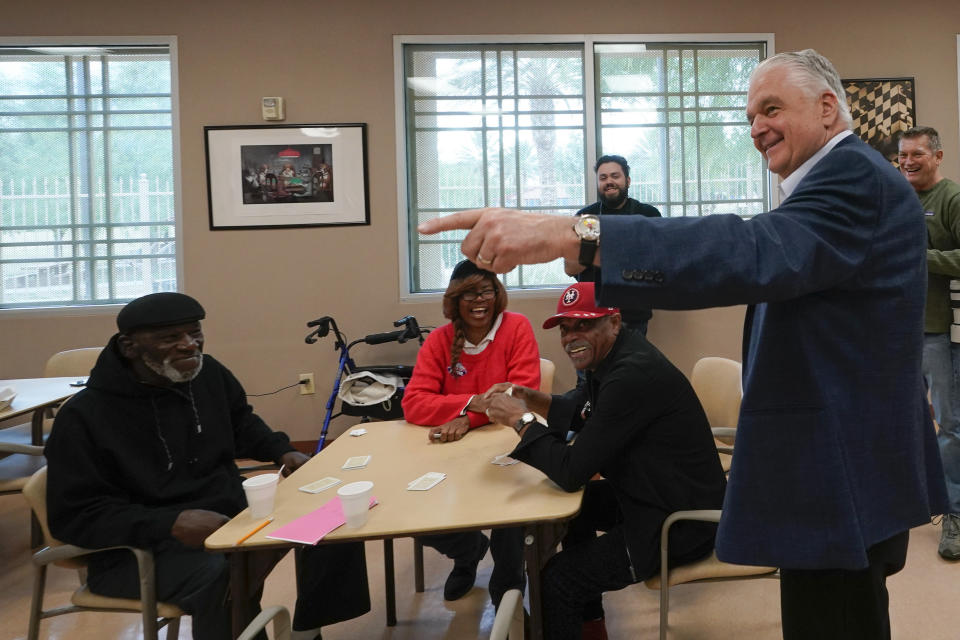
(836, 457)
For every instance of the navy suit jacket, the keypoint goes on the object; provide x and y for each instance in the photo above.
(835, 446)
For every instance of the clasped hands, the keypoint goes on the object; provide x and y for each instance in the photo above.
(497, 404)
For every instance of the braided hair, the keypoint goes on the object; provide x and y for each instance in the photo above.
(451, 308)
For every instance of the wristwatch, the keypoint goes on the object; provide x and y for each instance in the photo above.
(525, 420)
(587, 228)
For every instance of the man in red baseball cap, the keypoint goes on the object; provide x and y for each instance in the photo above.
(578, 314)
(578, 301)
(639, 425)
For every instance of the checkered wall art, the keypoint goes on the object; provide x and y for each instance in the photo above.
(882, 109)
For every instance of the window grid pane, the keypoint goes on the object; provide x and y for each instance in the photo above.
(86, 176)
(677, 113)
(491, 125)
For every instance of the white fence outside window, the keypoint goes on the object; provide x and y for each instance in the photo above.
(47, 256)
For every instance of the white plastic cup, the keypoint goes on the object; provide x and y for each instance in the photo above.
(261, 491)
(355, 498)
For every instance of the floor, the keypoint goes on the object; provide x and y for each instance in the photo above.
(924, 599)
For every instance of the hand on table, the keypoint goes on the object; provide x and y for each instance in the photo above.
(292, 460)
(194, 525)
(450, 431)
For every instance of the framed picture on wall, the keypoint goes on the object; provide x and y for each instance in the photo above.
(882, 109)
(301, 175)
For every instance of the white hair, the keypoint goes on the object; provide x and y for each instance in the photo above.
(814, 74)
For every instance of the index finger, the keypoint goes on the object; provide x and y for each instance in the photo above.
(459, 220)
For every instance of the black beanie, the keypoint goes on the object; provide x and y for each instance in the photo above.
(159, 310)
(466, 269)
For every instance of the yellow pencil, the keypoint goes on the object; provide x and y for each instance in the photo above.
(255, 529)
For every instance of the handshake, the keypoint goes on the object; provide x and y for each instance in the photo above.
(503, 403)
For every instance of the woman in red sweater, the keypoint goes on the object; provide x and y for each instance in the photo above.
(482, 345)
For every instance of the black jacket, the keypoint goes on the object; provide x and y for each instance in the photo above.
(592, 274)
(125, 458)
(647, 434)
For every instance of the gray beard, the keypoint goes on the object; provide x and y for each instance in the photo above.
(168, 371)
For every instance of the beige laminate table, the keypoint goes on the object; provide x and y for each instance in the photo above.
(476, 494)
(34, 395)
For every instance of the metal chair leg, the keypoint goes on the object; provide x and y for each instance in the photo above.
(173, 629)
(389, 584)
(36, 604)
(418, 565)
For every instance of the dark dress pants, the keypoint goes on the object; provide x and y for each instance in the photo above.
(331, 584)
(506, 548)
(599, 511)
(838, 604)
(192, 579)
(575, 579)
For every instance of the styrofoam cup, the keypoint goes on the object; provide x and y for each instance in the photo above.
(261, 491)
(355, 498)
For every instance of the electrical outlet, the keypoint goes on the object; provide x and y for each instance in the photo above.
(306, 388)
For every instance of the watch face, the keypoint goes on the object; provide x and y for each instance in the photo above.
(588, 227)
(528, 418)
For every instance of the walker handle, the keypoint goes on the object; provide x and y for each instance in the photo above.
(381, 338)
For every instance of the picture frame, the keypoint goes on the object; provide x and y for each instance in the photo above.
(287, 176)
(882, 109)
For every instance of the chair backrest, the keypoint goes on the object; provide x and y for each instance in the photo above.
(717, 383)
(547, 369)
(73, 362)
(35, 493)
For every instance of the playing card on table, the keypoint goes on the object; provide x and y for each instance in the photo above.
(504, 460)
(426, 481)
(319, 485)
(358, 432)
(356, 462)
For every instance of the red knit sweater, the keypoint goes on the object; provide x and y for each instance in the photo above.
(434, 396)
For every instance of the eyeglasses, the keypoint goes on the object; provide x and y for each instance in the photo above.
(485, 294)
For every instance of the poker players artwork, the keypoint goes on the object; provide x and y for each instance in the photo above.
(298, 175)
(882, 109)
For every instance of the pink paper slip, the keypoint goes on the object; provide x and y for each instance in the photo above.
(311, 528)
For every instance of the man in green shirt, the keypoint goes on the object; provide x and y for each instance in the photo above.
(920, 157)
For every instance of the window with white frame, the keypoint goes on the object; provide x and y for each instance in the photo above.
(516, 125)
(87, 189)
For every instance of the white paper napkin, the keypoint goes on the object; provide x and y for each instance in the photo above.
(7, 394)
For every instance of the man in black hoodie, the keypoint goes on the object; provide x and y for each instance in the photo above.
(144, 457)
